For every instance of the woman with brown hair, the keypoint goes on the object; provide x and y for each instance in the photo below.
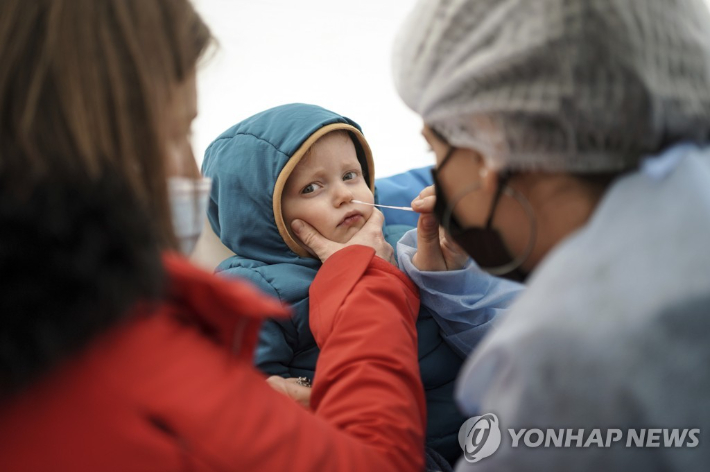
(116, 353)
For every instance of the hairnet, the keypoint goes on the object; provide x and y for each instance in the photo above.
(558, 85)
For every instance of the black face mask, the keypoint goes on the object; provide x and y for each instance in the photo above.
(484, 245)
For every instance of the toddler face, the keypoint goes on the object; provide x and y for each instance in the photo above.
(322, 185)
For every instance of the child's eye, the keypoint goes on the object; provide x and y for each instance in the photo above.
(310, 188)
(350, 175)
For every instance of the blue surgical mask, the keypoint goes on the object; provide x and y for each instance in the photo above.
(188, 201)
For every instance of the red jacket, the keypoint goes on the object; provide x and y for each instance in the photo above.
(174, 388)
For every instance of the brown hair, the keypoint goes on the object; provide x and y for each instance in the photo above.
(84, 88)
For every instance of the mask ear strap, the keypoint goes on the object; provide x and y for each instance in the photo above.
(502, 182)
(447, 156)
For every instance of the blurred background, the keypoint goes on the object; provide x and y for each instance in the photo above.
(326, 52)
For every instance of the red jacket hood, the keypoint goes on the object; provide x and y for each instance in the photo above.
(210, 302)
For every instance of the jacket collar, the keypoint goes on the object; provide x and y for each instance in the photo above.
(229, 311)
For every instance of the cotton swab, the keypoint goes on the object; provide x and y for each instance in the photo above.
(383, 206)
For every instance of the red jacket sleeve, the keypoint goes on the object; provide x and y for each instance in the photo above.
(367, 397)
(159, 394)
(362, 315)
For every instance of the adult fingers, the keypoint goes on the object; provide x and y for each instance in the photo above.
(427, 192)
(290, 388)
(429, 256)
(375, 221)
(425, 201)
(322, 247)
(371, 235)
(300, 393)
(454, 256)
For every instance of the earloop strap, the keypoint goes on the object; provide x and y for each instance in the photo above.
(447, 156)
(502, 182)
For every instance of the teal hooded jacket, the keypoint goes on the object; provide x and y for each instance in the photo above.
(246, 164)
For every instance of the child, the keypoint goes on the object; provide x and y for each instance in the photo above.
(301, 161)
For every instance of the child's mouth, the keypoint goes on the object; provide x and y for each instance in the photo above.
(350, 219)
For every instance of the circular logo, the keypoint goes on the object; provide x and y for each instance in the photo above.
(479, 437)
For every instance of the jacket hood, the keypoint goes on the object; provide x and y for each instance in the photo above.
(249, 165)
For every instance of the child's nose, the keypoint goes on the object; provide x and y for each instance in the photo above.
(342, 194)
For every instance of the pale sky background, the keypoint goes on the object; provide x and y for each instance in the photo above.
(330, 53)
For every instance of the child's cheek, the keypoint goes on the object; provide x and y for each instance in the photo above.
(318, 214)
(370, 199)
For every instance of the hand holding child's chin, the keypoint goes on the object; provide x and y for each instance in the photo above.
(369, 235)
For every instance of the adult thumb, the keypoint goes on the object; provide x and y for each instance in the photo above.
(376, 220)
(310, 237)
(428, 256)
(428, 229)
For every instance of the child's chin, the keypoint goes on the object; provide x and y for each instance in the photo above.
(346, 236)
(353, 230)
